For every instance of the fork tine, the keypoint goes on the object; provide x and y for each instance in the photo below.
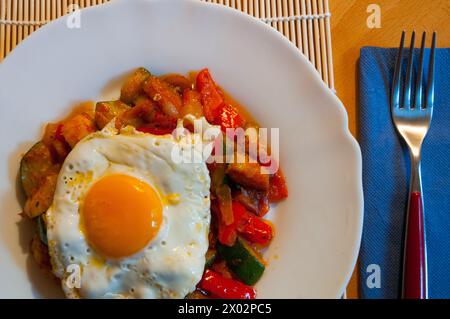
(395, 94)
(430, 85)
(408, 81)
(419, 85)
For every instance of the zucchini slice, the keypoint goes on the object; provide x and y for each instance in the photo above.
(243, 261)
(34, 166)
(107, 110)
(132, 87)
(42, 229)
(41, 199)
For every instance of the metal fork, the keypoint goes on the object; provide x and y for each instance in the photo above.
(412, 118)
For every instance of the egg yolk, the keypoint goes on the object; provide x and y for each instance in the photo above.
(121, 215)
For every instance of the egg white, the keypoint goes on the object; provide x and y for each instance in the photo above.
(172, 263)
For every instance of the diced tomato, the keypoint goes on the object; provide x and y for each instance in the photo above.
(278, 189)
(211, 98)
(226, 288)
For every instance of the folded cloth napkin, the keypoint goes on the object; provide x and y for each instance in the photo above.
(386, 178)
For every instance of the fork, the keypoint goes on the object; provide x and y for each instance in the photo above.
(412, 118)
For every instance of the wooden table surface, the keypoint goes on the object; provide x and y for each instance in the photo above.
(350, 32)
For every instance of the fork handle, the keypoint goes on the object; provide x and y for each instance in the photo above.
(415, 265)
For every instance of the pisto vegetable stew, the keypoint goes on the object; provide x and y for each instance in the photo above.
(240, 194)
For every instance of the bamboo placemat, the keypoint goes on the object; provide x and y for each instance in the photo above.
(305, 22)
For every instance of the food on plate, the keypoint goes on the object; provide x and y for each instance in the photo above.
(243, 261)
(113, 206)
(132, 87)
(136, 222)
(248, 175)
(107, 110)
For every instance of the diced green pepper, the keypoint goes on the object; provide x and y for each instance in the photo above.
(243, 261)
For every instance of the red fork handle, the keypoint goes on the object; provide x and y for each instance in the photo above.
(415, 267)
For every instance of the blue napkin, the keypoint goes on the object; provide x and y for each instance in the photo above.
(386, 178)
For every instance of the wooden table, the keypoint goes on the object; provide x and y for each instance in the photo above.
(350, 32)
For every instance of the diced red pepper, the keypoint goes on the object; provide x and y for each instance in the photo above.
(278, 189)
(230, 118)
(251, 227)
(225, 288)
(216, 110)
(211, 98)
(228, 233)
(239, 211)
(255, 230)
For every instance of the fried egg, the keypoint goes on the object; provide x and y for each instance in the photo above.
(129, 220)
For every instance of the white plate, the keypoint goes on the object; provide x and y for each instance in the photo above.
(318, 229)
